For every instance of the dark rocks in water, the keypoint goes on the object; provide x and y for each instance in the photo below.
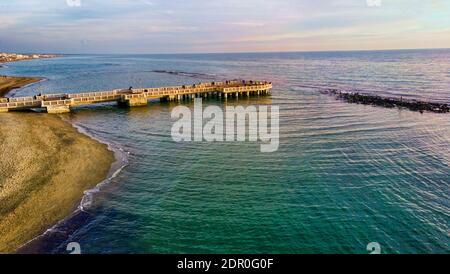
(186, 74)
(366, 99)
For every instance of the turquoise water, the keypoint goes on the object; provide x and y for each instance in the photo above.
(344, 174)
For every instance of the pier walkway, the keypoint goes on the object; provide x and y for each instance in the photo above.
(61, 103)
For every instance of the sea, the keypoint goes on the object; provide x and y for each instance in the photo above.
(344, 175)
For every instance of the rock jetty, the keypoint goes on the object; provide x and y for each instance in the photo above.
(388, 102)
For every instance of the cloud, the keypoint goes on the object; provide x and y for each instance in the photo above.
(208, 26)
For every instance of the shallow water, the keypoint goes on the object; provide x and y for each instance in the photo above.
(344, 174)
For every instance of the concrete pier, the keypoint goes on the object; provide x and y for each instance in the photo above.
(62, 103)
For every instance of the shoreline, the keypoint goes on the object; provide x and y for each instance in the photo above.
(10, 83)
(49, 168)
(120, 162)
(46, 166)
(58, 233)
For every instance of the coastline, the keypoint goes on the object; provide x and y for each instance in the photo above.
(48, 168)
(59, 232)
(120, 162)
(9, 83)
(46, 165)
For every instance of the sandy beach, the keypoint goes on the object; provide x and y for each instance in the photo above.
(8, 83)
(45, 166)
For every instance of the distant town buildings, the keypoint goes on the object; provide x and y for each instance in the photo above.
(11, 57)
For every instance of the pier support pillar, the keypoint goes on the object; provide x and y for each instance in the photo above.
(3, 110)
(134, 102)
(57, 109)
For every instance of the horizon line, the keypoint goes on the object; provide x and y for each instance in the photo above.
(234, 52)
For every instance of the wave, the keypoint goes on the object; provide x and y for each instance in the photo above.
(13, 93)
(121, 162)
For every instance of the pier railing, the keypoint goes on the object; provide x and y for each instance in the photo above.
(61, 102)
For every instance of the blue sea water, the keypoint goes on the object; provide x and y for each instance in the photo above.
(344, 174)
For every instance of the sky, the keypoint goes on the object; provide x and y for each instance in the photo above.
(201, 26)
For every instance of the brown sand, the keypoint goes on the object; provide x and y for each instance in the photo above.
(8, 83)
(45, 165)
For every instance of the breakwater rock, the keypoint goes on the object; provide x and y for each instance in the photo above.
(366, 99)
(186, 74)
